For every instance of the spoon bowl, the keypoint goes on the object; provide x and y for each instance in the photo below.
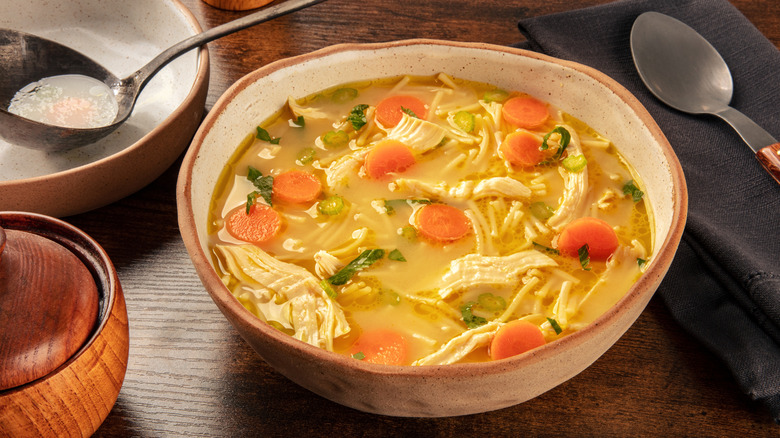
(28, 58)
(685, 71)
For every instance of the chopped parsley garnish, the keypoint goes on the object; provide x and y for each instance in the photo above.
(546, 249)
(409, 112)
(564, 142)
(262, 134)
(471, 320)
(584, 257)
(357, 117)
(364, 260)
(396, 255)
(555, 326)
(641, 263)
(299, 122)
(264, 186)
(359, 355)
(630, 188)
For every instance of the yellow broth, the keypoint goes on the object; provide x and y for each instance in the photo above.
(407, 296)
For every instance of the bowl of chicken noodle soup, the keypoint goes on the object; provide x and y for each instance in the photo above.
(405, 228)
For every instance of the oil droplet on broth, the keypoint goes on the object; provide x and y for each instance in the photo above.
(70, 101)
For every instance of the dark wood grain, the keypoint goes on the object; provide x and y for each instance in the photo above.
(190, 374)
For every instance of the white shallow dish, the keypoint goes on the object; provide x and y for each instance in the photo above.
(459, 389)
(122, 36)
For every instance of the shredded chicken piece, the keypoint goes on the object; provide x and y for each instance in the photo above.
(622, 271)
(473, 269)
(338, 173)
(498, 186)
(458, 347)
(575, 187)
(286, 294)
(418, 134)
(307, 112)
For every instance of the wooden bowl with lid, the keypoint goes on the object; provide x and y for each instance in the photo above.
(64, 337)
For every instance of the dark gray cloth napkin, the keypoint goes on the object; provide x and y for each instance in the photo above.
(724, 284)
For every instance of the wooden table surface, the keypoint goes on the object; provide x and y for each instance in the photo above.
(190, 374)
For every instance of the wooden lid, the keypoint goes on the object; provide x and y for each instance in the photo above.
(48, 306)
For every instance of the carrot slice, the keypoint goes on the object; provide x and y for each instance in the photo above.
(521, 148)
(442, 222)
(386, 157)
(383, 346)
(296, 187)
(597, 234)
(525, 112)
(514, 338)
(260, 225)
(390, 110)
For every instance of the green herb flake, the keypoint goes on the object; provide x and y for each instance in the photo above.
(547, 249)
(328, 288)
(263, 184)
(630, 188)
(396, 255)
(299, 122)
(306, 155)
(357, 117)
(491, 303)
(335, 139)
(541, 211)
(409, 112)
(262, 134)
(364, 260)
(464, 120)
(584, 257)
(574, 163)
(472, 321)
(555, 326)
(564, 142)
(359, 355)
(641, 263)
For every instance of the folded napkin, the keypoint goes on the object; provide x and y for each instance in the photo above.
(724, 284)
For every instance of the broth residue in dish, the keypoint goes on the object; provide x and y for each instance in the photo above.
(428, 220)
(70, 101)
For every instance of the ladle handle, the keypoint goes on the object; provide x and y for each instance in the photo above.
(265, 14)
(765, 146)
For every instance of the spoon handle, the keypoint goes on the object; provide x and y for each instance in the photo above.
(144, 73)
(770, 159)
(765, 146)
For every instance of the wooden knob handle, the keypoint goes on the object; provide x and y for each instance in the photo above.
(770, 159)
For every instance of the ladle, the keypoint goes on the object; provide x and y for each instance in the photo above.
(684, 71)
(28, 58)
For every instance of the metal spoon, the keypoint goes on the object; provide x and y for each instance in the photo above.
(684, 71)
(27, 58)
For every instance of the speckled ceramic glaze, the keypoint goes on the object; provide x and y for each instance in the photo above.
(122, 36)
(459, 389)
